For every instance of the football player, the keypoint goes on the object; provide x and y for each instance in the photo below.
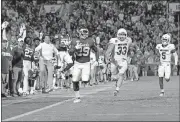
(119, 48)
(65, 38)
(64, 62)
(166, 50)
(81, 47)
(27, 63)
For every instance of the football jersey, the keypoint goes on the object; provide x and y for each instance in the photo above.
(83, 54)
(28, 53)
(121, 48)
(165, 52)
(65, 40)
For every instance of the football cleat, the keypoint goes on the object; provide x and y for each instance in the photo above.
(32, 92)
(20, 90)
(115, 93)
(77, 100)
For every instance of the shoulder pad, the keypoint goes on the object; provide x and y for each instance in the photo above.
(172, 46)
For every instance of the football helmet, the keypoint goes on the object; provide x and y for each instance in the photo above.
(165, 39)
(28, 41)
(122, 34)
(83, 32)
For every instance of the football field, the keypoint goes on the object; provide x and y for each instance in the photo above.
(136, 101)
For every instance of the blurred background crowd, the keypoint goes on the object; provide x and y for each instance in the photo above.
(145, 21)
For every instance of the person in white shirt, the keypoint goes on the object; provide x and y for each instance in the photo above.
(48, 53)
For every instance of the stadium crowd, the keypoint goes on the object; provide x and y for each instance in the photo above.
(145, 22)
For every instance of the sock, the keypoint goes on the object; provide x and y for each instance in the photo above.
(54, 82)
(76, 86)
(162, 90)
(32, 88)
(161, 82)
(77, 95)
(117, 88)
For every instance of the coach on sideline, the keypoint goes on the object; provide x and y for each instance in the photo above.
(47, 51)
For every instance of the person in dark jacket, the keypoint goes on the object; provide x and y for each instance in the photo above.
(6, 66)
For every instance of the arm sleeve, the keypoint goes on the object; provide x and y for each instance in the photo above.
(55, 50)
(109, 51)
(94, 47)
(72, 48)
(39, 47)
(4, 34)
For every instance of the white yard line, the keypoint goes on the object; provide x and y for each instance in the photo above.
(19, 101)
(53, 105)
(134, 114)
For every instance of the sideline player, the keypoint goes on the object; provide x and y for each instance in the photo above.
(27, 64)
(64, 61)
(166, 50)
(81, 47)
(119, 48)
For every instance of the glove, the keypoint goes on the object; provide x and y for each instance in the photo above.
(78, 47)
(5, 24)
(57, 67)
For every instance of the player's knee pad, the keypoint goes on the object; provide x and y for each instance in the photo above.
(76, 86)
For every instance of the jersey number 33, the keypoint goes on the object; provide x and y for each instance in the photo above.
(121, 50)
